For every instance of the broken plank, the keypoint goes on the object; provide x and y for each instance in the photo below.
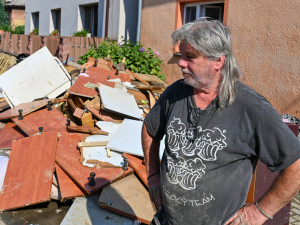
(52, 120)
(138, 166)
(29, 174)
(25, 107)
(87, 120)
(138, 77)
(105, 116)
(68, 188)
(129, 198)
(67, 157)
(87, 130)
(10, 133)
(92, 144)
(151, 99)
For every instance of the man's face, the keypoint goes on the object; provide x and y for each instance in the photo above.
(197, 70)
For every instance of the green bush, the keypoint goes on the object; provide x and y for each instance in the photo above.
(5, 27)
(138, 59)
(18, 30)
(4, 20)
(35, 31)
(82, 33)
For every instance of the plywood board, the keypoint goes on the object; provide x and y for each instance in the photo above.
(38, 76)
(128, 138)
(118, 101)
(68, 188)
(106, 74)
(25, 107)
(87, 211)
(138, 166)
(105, 116)
(29, 173)
(128, 197)
(8, 134)
(68, 158)
(50, 121)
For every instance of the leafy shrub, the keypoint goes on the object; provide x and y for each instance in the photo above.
(35, 31)
(82, 33)
(138, 59)
(18, 30)
(6, 27)
(55, 33)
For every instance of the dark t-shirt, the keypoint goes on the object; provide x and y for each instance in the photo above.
(206, 181)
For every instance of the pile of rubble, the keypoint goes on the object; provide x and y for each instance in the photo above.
(71, 131)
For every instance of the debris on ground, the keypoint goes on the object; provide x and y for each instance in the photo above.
(72, 132)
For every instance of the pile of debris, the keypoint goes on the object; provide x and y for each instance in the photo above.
(70, 131)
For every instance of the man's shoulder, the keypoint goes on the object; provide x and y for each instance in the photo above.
(249, 96)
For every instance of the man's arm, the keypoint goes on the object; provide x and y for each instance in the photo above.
(152, 162)
(283, 190)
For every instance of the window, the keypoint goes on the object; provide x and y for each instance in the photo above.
(194, 11)
(56, 19)
(89, 17)
(35, 20)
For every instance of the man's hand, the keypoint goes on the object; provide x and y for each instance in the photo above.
(248, 215)
(154, 190)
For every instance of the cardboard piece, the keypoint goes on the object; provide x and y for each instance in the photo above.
(29, 174)
(10, 133)
(129, 198)
(38, 76)
(67, 157)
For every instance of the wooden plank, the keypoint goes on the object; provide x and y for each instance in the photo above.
(151, 99)
(138, 77)
(104, 74)
(92, 144)
(26, 108)
(105, 116)
(129, 198)
(29, 173)
(68, 188)
(136, 163)
(87, 120)
(50, 121)
(8, 134)
(67, 157)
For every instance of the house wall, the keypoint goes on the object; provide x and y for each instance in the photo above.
(17, 17)
(123, 18)
(266, 41)
(70, 15)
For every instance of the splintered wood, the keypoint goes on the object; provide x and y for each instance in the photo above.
(29, 173)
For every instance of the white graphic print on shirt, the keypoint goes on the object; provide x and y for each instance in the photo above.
(186, 172)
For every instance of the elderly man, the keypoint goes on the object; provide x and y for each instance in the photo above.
(216, 129)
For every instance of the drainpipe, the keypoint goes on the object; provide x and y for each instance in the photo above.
(139, 20)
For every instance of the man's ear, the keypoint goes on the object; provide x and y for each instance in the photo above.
(219, 62)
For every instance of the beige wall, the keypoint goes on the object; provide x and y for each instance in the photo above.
(266, 42)
(157, 25)
(17, 17)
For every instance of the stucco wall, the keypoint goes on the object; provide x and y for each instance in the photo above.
(157, 25)
(266, 42)
(70, 15)
(17, 17)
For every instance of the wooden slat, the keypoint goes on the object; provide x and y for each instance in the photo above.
(27, 108)
(129, 198)
(29, 173)
(137, 165)
(92, 144)
(50, 121)
(8, 134)
(68, 188)
(67, 157)
(105, 116)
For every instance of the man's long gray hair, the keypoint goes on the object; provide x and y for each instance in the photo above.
(212, 39)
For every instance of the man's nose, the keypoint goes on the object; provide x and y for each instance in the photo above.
(182, 62)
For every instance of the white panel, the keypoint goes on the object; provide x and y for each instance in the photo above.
(119, 101)
(128, 138)
(3, 166)
(37, 76)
